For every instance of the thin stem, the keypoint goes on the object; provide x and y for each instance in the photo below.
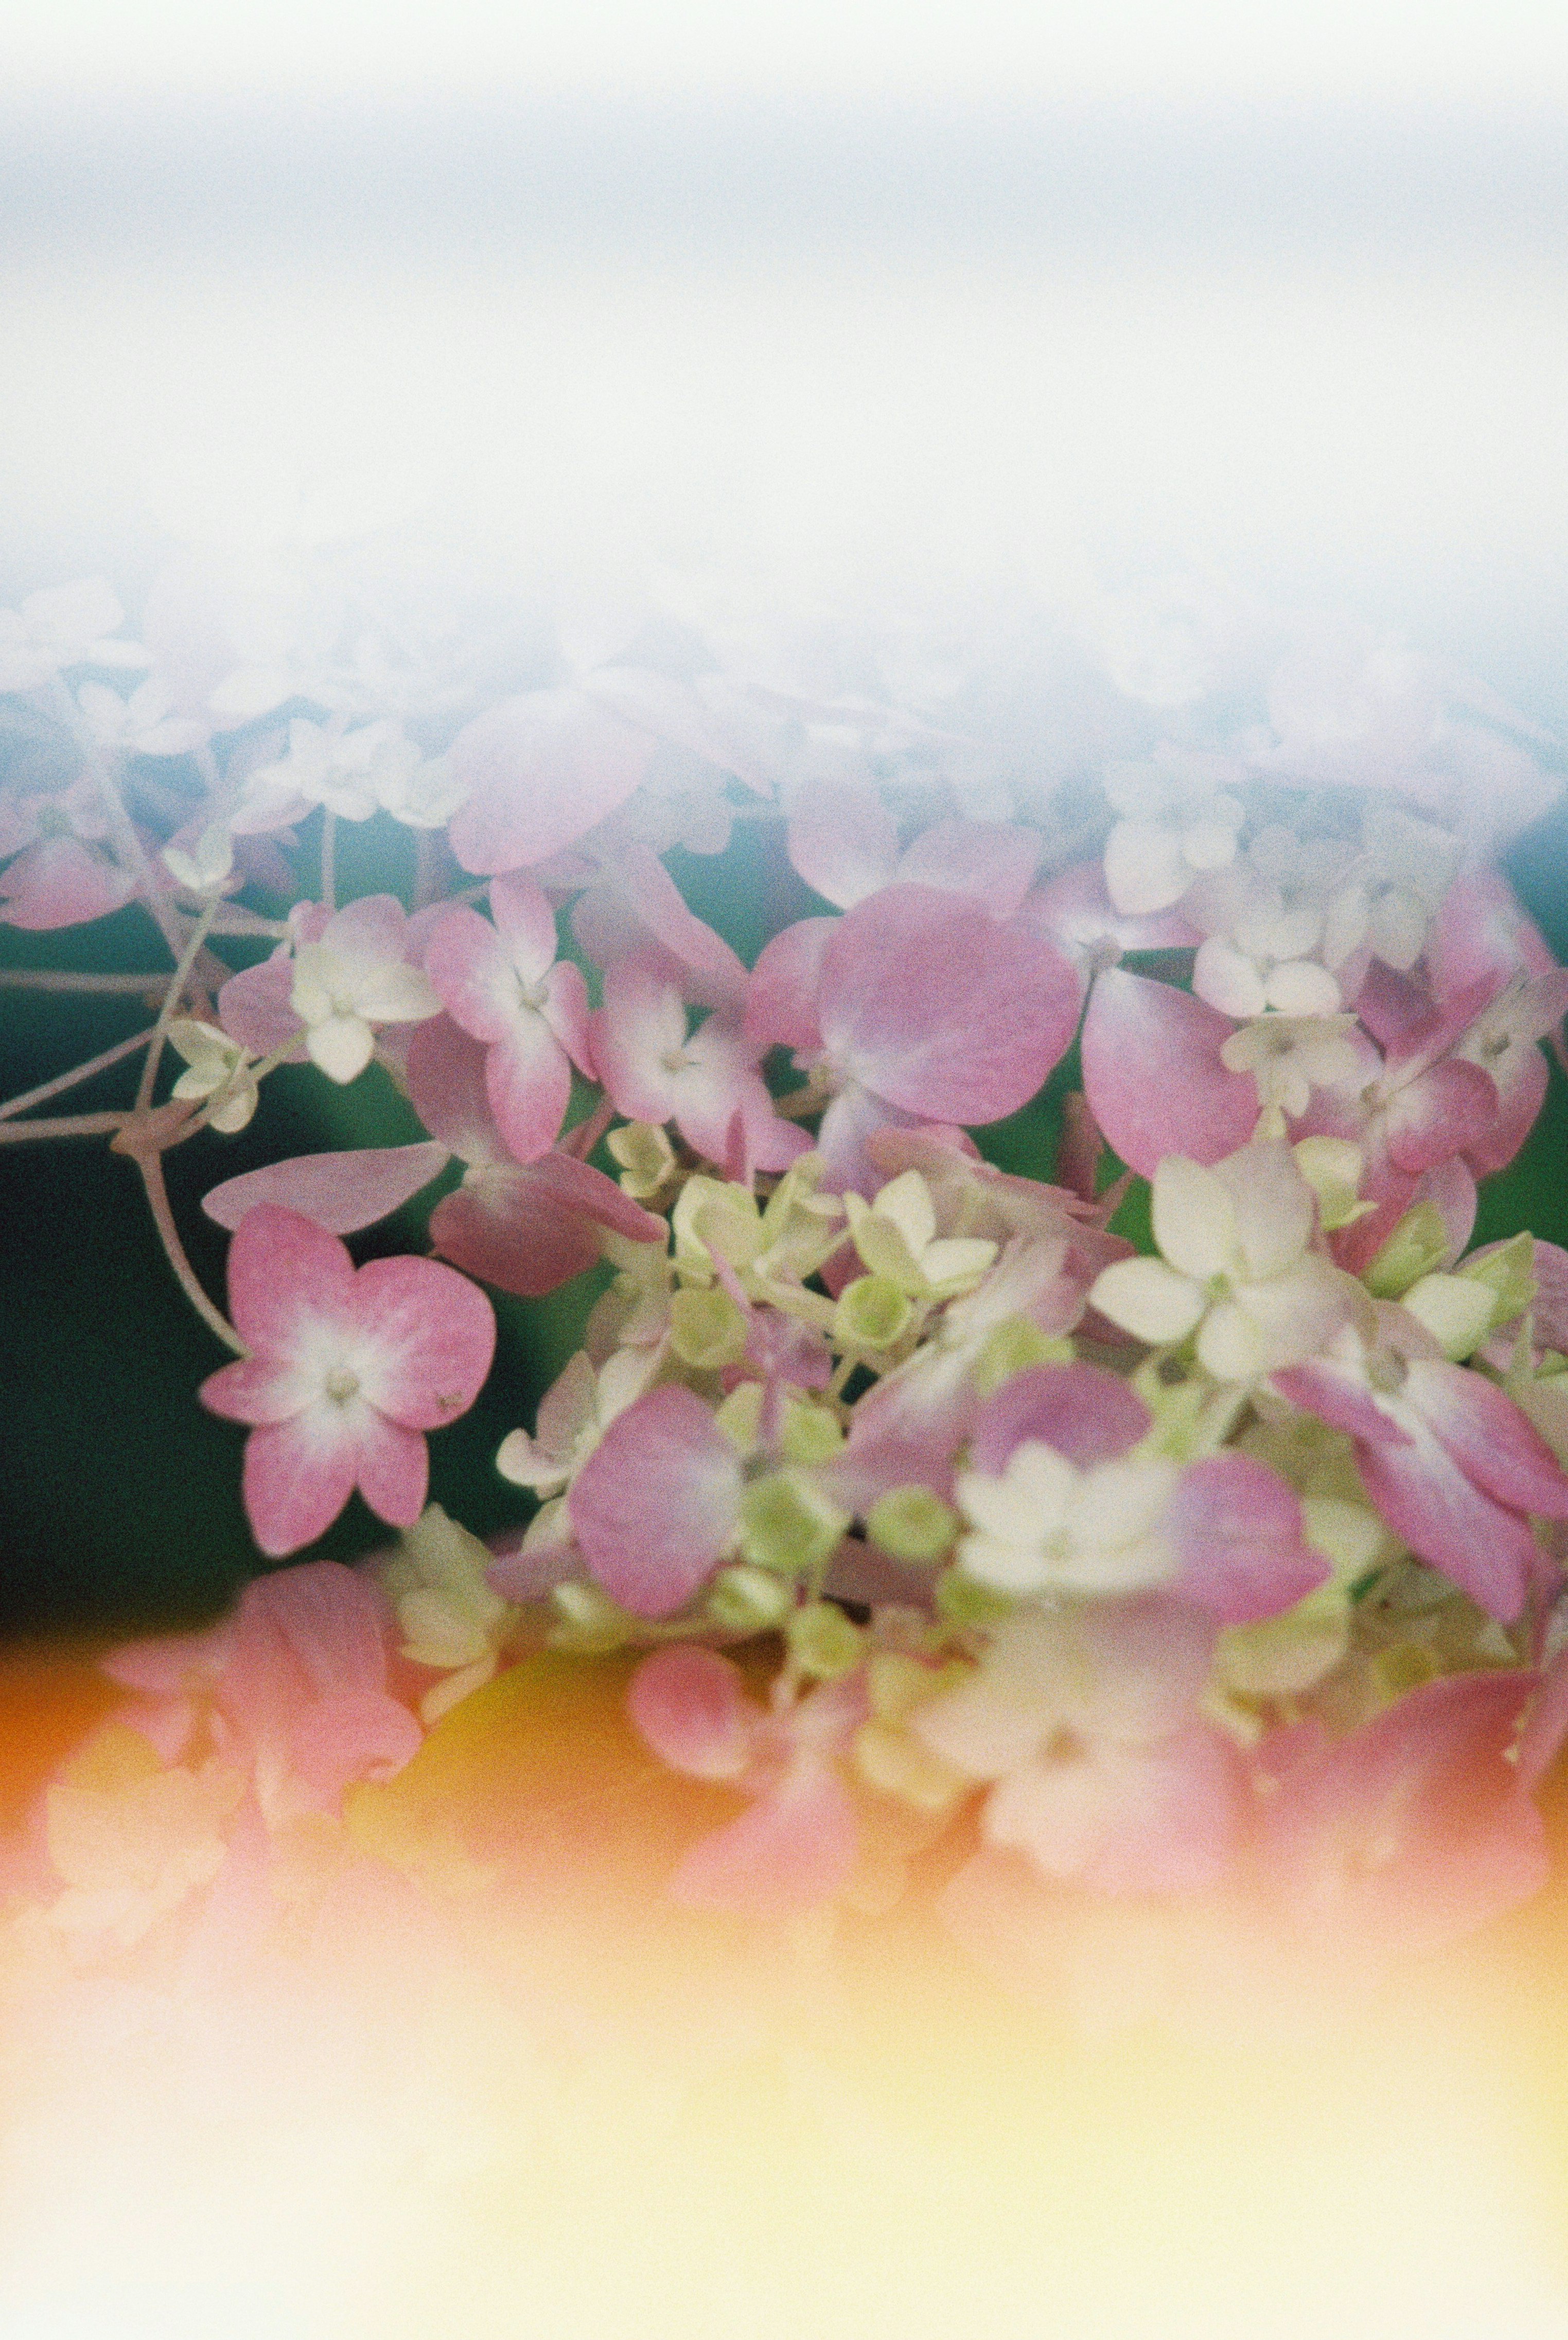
(329, 858)
(177, 981)
(232, 920)
(46, 1089)
(151, 1166)
(426, 869)
(28, 978)
(77, 1125)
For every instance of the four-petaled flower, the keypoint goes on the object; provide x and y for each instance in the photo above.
(347, 1368)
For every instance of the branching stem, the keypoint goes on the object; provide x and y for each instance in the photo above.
(101, 1064)
(151, 1165)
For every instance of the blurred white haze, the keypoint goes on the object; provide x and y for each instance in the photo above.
(841, 296)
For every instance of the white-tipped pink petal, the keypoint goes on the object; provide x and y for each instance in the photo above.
(654, 1507)
(341, 1192)
(781, 1004)
(431, 1333)
(1153, 1075)
(528, 1081)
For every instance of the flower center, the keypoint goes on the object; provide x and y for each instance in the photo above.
(1063, 1746)
(343, 1385)
(675, 1060)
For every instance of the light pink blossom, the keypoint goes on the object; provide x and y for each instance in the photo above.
(705, 1081)
(347, 1368)
(504, 985)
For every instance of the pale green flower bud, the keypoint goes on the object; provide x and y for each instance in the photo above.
(1012, 1347)
(1414, 1248)
(824, 1641)
(872, 1313)
(646, 1157)
(787, 1526)
(1510, 1274)
(745, 1599)
(590, 1622)
(912, 1524)
(706, 1330)
(1456, 1310)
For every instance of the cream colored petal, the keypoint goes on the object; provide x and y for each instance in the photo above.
(1148, 1299)
(1194, 1218)
(343, 1045)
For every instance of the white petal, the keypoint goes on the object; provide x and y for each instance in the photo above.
(1146, 868)
(396, 993)
(1227, 980)
(1194, 1218)
(1300, 988)
(1148, 1299)
(343, 1045)
(1231, 1346)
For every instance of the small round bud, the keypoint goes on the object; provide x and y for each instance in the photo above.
(872, 1313)
(746, 1600)
(824, 1641)
(912, 1524)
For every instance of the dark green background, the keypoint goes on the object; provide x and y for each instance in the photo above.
(119, 1495)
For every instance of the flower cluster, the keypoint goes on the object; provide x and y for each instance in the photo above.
(1234, 1565)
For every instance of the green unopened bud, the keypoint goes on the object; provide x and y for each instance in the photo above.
(746, 1600)
(911, 1523)
(1456, 1310)
(1508, 1274)
(1012, 1347)
(787, 1526)
(963, 1602)
(706, 1330)
(588, 1621)
(823, 1641)
(1414, 1248)
(872, 1313)
(808, 1433)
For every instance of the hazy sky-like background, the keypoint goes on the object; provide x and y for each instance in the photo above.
(842, 295)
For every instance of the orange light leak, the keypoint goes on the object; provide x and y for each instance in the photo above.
(560, 2107)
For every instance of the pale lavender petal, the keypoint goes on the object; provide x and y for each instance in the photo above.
(254, 1008)
(843, 842)
(992, 859)
(1487, 1550)
(1446, 1110)
(543, 769)
(781, 1004)
(1490, 1438)
(1083, 1411)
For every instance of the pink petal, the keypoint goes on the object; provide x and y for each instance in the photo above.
(796, 1847)
(434, 1334)
(334, 1619)
(341, 1192)
(652, 913)
(1238, 1525)
(1546, 1727)
(843, 842)
(781, 1003)
(642, 1021)
(528, 1083)
(393, 1466)
(1482, 932)
(653, 1508)
(1519, 1107)
(1491, 1439)
(543, 771)
(254, 1390)
(992, 859)
(690, 1705)
(253, 1007)
(1445, 1111)
(293, 1487)
(1083, 1411)
(1342, 1400)
(362, 1735)
(61, 882)
(470, 965)
(1153, 1076)
(928, 1003)
(565, 1010)
(1486, 1550)
(524, 918)
(285, 1272)
(1414, 1830)
(445, 1070)
(530, 1230)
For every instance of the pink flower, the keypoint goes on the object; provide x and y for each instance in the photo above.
(915, 1006)
(61, 874)
(542, 771)
(843, 842)
(799, 1842)
(657, 1505)
(1450, 1463)
(347, 1368)
(1154, 1077)
(526, 1227)
(706, 1082)
(504, 985)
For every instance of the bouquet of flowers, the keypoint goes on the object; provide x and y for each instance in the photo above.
(1163, 1537)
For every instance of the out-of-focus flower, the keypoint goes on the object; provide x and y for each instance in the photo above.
(504, 985)
(144, 724)
(352, 976)
(65, 625)
(1179, 817)
(452, 1620)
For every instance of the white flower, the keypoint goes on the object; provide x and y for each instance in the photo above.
(66, 626)
(1289, 1056)
(1236, 1267)
(897, 1237)
(1046, 1524)
(353, 978)
(450, 1616)
(1391, 894)
(217, 1065)
(142, 723)
(209, 864)
(1263, 919)
(1179, 817)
